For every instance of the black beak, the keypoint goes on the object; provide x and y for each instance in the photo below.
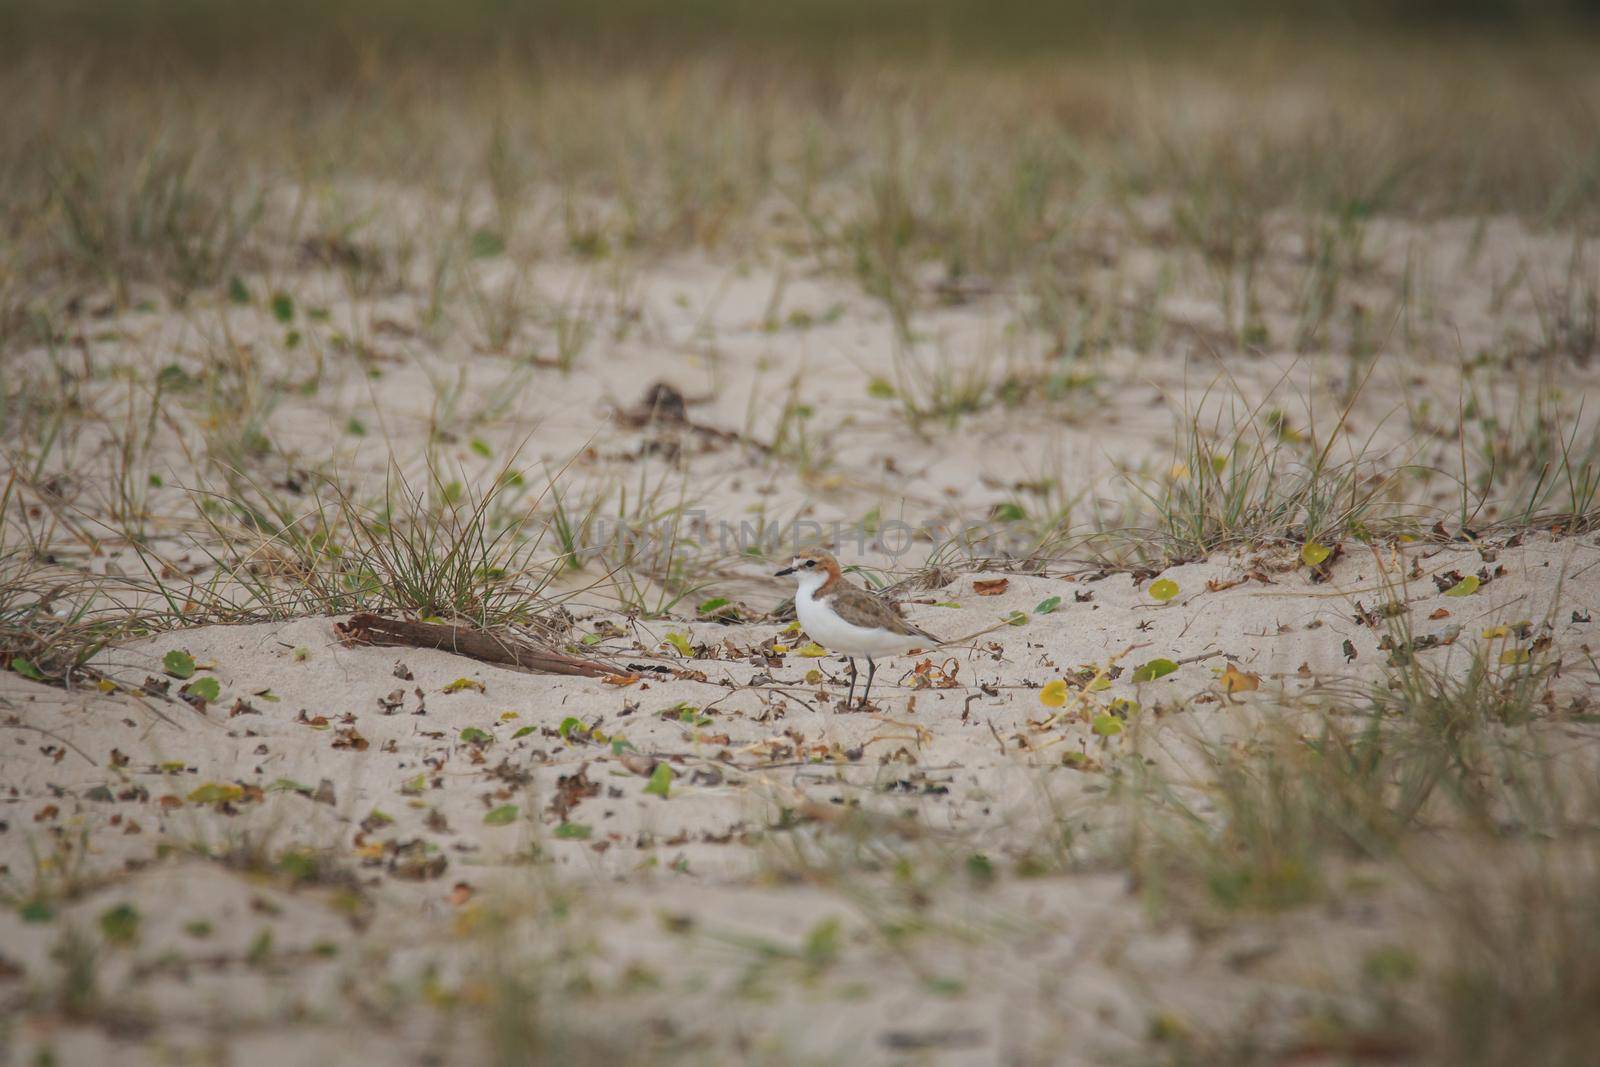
(786, 570)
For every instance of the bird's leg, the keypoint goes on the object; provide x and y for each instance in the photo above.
(852, 695)
(872, 668)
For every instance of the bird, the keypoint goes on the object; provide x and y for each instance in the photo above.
(849, 620)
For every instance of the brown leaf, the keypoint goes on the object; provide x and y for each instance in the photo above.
(620, 680)
(1236, 681)
(571, 789)
(643, 766)
(1439, 613)
(349, 738)
(991, 587)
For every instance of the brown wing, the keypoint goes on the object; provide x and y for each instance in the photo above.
(860, 607)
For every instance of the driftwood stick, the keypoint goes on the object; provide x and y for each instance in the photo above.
(369, 629)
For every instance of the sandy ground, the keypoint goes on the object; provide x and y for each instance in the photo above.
(456, 828)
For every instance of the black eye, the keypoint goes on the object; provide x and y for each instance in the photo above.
(811, 563)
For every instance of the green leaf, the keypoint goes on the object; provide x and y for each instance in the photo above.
(1465, 587)
(880, 389)
(260, 948)
(504, 815)
(523, 732)
(206, 689)
(282, 307)
(711, 605)
(681, 643)
(573, 831)
(355, 427)
(1008, 512)
(481, 447)
(120, 924)
(1107, 725)
(1311, 553)
(1156, 668)
(26, 668)
(237, 291)
(1047, 605)
(1163, 589)
(1017, 618)
(569, 724)
(485, 244)
(474, 736)
(216, 793)
(178, 664)
(822, 944)
(461, 684)
(36, 911)
(660, 783)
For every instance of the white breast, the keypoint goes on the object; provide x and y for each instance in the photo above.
(833, 633)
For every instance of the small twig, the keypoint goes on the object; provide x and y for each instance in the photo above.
(18, 724)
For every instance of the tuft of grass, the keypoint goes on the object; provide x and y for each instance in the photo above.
(442, 549)
(1263, 479)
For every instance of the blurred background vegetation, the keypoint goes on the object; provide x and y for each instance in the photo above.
(219, 31)
(171, 143)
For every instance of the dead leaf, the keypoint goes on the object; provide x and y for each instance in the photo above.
(991, 586)
(571, 789)
(643, 766)
(349, 738)
(1236, 681)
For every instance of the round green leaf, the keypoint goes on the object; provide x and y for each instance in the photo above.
(1312, 553)
(178, 664)
(1163, 589)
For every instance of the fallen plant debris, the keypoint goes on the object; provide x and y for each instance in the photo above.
(505, 651)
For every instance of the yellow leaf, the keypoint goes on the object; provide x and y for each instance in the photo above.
(1164, 589)
(1099, 685)
(1512, 656)
(1236, 681)
(1496, 631)
(1312, 553)
(812, 650)
(1054, 693)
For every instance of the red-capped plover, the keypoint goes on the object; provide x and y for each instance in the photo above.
(848, 620)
